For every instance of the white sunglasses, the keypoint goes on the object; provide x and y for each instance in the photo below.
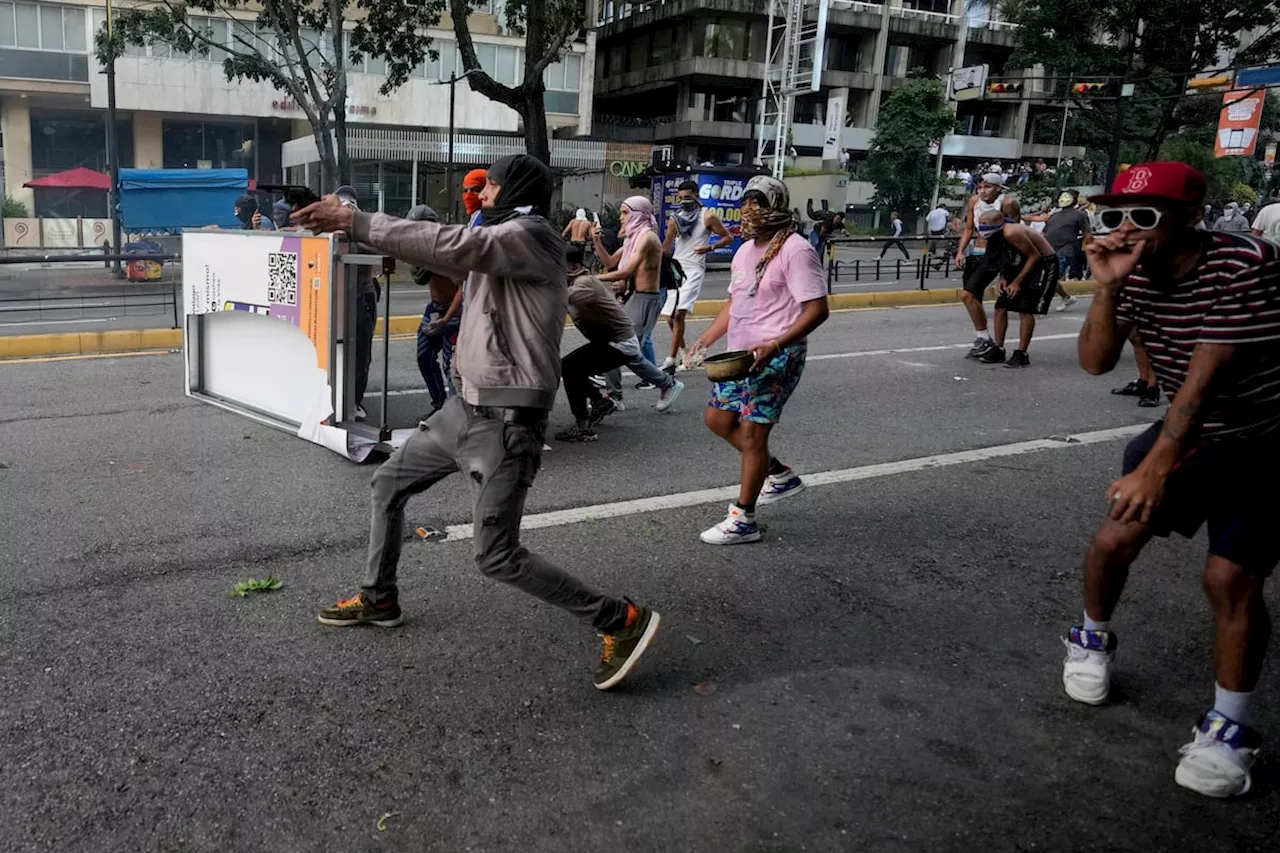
(1143, 218)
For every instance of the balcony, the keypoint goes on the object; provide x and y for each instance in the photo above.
(656, 77)
(619, 17)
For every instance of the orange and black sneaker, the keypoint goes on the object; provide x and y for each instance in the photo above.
(623, 648)
(358, 610)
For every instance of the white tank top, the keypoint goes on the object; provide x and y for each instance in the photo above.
(979, 208)
(698, 237)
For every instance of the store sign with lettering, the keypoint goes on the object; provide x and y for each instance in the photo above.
(291, 106)
(627, 168)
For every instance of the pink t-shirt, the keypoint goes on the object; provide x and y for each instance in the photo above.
(794, 276)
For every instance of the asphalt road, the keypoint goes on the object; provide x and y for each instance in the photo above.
(84, 298)
(881, 673)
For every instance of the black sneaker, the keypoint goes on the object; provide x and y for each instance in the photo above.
(1136, 388)
(601, 410)
(645, 386)
(358, 610)
(992, 355)
(1018, 359)
(577, 433)
(1150, 398)
(622, 650)
(980, 346)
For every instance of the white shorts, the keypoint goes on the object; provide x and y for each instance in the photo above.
(688, 291)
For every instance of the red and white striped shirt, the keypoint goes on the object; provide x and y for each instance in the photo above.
(1231, 297)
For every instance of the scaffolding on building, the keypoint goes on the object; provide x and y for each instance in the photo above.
(797, 31)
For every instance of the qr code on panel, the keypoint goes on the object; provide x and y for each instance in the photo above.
(282, 278)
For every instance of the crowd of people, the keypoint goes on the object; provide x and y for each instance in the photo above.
(1202, 305)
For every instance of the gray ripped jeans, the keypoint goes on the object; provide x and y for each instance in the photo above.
(500, 458)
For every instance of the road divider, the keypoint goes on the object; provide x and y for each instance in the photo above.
(13, 347)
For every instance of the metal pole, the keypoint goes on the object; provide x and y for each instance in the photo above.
(453, 88)
(1062, 137)
(384, 432)
(113, 148)
(413, 182)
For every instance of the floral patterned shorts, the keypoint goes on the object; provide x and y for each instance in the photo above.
(760, 398)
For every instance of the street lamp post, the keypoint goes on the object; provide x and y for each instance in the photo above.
(453, 84)
(113, 147)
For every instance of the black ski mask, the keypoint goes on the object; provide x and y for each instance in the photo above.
(526, 184)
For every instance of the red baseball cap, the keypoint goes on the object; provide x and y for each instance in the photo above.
(1161, 181)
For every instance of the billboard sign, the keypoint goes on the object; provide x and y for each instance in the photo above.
(1238, 123)
(719, 193)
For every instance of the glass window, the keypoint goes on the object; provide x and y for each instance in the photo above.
(486, 54)
(7, 34)
(51, 27)
(572, 72)
(725, 39)
(376, 65)
(194, 145)
(639, 51)
(448, 62)
(28, 25)
(553, 77)
(661, 48)
(73, 29)
(218, 35)
(617, 60)
(504, 69)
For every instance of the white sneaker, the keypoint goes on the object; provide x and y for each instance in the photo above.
(360, 413)
(737, 528)
(1067, 303)
(667, 363)
(778, 487)
(669, 396)
(1086, 671)
(1217, 761)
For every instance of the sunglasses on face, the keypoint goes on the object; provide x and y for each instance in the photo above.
(1143, 218)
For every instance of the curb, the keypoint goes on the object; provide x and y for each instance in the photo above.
(15, 347)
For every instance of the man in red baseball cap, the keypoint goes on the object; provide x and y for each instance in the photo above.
(1206, 305)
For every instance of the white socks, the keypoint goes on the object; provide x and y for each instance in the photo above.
(1232, 704)
(985, 333)
(1094, 625)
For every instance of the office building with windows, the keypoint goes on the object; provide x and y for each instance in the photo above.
(178, 111)
(686, 75)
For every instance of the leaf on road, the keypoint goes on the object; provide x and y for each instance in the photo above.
(716, 762)
(704, 688)
(694, 641)
(3, 464)
(382, 821)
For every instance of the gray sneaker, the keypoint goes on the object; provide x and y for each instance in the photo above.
(669, 396)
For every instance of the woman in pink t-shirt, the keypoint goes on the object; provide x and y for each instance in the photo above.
(777, 296)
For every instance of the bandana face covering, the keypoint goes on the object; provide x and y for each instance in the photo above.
(773, 220)
(687, 216)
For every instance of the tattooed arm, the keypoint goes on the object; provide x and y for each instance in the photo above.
(1134, 497)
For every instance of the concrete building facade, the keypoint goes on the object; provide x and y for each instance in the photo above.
(687, 74)
(178, 111)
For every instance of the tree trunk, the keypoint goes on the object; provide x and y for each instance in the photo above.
(342, 159)
(533, 112)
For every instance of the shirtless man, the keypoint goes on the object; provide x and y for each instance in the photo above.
(438, 331)
(688, 231)
(578, 231)
(639, 261)
(1028, 267)
(978, 273)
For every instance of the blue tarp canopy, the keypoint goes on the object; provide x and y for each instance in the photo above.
(154, 200)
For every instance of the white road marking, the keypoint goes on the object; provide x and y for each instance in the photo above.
(661, 503)
(936, 348)
(57, 322)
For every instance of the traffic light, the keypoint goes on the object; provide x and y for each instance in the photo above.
(1004, 87)
(1089, 88)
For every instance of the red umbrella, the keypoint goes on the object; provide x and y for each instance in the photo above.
(73, 179)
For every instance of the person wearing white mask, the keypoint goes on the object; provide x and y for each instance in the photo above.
(1232, 220)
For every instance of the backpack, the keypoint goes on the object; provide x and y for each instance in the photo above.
(671, 273)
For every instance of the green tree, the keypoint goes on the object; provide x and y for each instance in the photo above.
(547, 26)
(1226, 176)
(302, 47)
(1156, 44)
(915, 115)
